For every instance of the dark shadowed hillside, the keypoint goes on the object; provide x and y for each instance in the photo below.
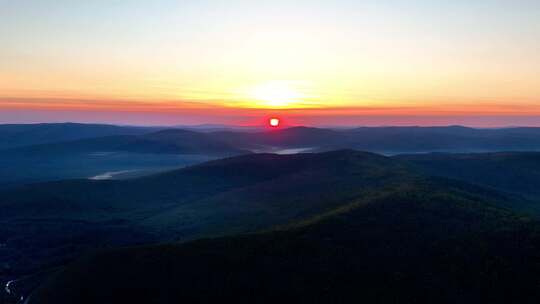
(514, 172)
(298, 176)
(48, 224)
(425, 242)
(45, 224)
(387, 211)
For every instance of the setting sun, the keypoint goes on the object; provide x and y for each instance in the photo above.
(274, 122)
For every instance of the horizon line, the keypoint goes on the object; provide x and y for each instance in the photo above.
(263, 126)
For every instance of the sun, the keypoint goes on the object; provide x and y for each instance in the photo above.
(274, 122)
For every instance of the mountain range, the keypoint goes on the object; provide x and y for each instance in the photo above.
(18, 135)
(386, 140)
(391, 140)
(48, 152)
(207, 214)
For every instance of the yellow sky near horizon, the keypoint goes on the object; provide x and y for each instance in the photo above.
(329, 58)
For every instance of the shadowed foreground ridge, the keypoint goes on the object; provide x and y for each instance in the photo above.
(419, 240)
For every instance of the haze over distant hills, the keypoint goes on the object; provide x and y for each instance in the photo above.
(375, 139)
(106, 150)
(170, 141)
(393, 140)
(43, 152)
(17, 135)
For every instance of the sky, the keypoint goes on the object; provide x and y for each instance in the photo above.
(340, 62)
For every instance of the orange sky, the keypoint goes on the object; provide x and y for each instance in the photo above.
(311, 61)
(170, 113)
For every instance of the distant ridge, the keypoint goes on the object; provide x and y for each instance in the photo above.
(17, 135)
(168, 141)
(389, 140)
(392, 140)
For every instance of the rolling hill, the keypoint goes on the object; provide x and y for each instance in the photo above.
(48, 224)
(513, 172)
(419, 241)
(235, 177)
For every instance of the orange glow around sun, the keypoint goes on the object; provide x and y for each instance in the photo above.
(274, 122)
